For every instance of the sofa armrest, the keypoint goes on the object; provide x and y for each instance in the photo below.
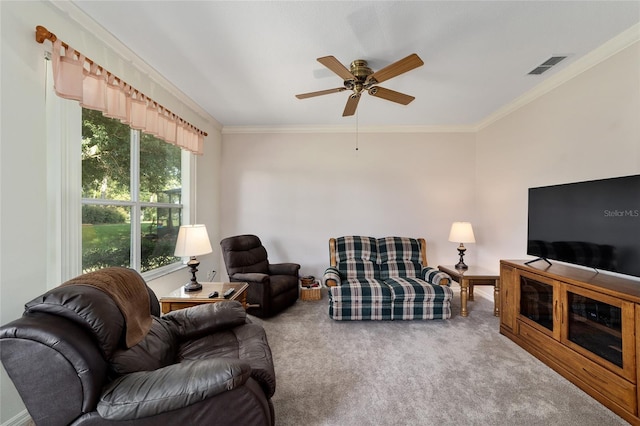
(434, 276)
(331, 277)
(252, 277)
(148, 393)
(284, 269)
(253, 348)
(200, 320)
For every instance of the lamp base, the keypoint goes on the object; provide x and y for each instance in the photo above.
(193, 285)
(461, 264)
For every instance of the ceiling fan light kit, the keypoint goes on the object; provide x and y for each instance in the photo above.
(359, 77)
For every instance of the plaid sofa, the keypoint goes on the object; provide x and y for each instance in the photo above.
(384, 279)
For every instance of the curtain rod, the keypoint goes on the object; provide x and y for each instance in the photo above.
(43, 34)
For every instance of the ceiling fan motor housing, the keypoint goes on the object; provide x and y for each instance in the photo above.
(360, 70)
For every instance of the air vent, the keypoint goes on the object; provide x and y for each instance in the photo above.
(546, 65)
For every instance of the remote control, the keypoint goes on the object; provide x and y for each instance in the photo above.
(213, 295)
(228, 293)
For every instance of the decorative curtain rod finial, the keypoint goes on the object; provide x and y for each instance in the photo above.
(43, 34)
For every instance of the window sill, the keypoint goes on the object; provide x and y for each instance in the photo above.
(161, 272)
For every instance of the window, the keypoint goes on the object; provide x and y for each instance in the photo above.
(153, 195)
(131, 196)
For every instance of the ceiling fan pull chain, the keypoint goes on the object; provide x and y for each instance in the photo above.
(357, 114)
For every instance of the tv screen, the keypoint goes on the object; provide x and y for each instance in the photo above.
(594, 224)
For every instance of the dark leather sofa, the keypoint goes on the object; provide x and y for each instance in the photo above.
(69, 360)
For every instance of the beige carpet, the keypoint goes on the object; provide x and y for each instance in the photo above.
(459, 371)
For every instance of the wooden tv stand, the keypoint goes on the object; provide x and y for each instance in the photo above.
(579, 322)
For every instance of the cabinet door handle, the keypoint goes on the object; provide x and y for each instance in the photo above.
(555, 309)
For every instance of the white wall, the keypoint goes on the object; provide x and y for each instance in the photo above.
(295, 191)
(23, 159)
(22, 180)
(588, 128)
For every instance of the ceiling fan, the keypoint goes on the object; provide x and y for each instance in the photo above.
(359, 77)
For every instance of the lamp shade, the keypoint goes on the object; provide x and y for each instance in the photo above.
(193, 240)
(461, 232)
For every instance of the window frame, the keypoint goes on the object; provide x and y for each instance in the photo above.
(64, 191)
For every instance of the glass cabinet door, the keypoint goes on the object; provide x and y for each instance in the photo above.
(595, 326)
(536, 301)
(601, 328)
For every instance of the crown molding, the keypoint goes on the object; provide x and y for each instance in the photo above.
(346, 129)
(588, 61)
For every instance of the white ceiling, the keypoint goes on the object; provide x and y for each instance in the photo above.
(244, 61)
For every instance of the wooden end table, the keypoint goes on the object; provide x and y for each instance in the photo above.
(467, 278)
(179, 299)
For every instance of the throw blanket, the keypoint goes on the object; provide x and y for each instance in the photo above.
(129, 291)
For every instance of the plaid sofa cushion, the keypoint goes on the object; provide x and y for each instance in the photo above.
(360, 299)
(399, 257)
(417, 290)
(363, 289)
(357, 257)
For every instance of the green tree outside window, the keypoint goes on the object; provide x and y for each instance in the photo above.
(121, 222)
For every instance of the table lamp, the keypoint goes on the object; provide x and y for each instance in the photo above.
(461, 232)
(193, 241)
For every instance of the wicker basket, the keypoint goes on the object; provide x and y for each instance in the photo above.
(310, 293)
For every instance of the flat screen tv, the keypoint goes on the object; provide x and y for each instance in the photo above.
(594, 224)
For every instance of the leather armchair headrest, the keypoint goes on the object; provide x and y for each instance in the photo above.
(240, 243)
(89, 307)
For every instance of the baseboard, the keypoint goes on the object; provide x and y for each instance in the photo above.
(20, 419)
(485, 291)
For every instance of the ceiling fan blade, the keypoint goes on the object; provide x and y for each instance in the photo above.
(352, 104)
(334, 65)
(399, 67)
(320, 93)
(390, 95)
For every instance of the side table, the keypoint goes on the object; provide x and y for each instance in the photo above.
(467, 278)
(179, 299)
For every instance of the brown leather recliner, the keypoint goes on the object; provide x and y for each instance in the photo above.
(72, 362)
(273, 287)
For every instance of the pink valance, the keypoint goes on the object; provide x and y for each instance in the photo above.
(78, 78)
